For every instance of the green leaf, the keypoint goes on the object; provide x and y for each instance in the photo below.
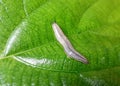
(31, 55)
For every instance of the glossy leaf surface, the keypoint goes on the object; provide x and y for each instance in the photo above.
(31, 55)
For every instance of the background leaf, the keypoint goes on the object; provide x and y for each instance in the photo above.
(31, 56)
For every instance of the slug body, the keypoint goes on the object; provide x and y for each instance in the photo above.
(70, 51)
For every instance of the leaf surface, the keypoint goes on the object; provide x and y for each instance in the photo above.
(31, 55)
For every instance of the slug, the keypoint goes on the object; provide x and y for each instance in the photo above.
(63, 40)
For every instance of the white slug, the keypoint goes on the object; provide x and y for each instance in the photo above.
(70, 51)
